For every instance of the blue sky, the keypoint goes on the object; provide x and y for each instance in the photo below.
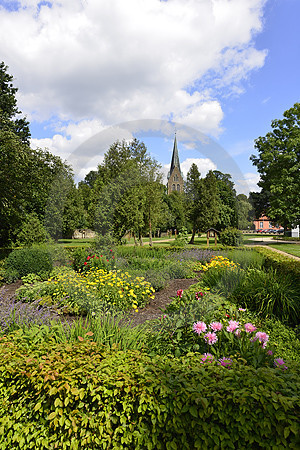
(217, 71)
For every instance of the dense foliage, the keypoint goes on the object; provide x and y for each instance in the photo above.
(52, 398)
(278, 163)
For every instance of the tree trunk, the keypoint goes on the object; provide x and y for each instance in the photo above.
(135, 239)
(150, 234)
(193, 236)
(141, 239)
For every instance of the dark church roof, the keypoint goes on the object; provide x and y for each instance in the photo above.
(175, 159)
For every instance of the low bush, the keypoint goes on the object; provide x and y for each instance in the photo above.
(231, 237)
(77, 396)
(270, 294)
(21, 262)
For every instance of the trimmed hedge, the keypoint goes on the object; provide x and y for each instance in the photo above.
(77, 396)
(281, 263)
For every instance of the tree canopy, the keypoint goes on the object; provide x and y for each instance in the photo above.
(8, 107)
(278, 163)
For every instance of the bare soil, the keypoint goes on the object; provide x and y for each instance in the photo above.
(152, 310)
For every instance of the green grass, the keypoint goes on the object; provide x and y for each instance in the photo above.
(292, 249)
(76, 242)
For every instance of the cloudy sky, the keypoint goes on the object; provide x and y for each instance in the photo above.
(216, 71)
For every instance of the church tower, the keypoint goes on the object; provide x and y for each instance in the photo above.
(175, 177)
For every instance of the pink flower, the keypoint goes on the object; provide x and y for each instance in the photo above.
(238, 333)
(225, 362)
(232, 325)
(249, 328)
(242, 309)
(216, 326)
(262, 337)
(280, 363)
(269, 352)
(207, 357)
(198, 295)
(179, 293)
(210, 338)
(199, 327)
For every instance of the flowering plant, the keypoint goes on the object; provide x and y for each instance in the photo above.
(230, 338)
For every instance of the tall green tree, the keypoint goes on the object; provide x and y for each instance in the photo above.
(245, 212)
(227, 199)
(9, 112)
(193, 192)
(127, 192)
(278, 163)
(209, 202)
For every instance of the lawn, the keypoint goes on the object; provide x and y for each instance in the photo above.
(292, 249)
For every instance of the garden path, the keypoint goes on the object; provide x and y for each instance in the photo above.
(151, 311)
(161, 300)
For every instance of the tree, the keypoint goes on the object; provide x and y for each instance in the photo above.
(192, 190)
(245, 212)
(127, 192)
(227, 198)
(278, 163)
(209, 202)
(8, 107)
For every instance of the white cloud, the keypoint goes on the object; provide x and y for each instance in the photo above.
(115, 61)
(203, 164)
(247, 184)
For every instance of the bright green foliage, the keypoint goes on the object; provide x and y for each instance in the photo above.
(231, 237)
(278, 163)
(77, 396)
(283, 340)
(21, 262)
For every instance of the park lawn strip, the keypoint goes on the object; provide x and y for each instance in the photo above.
(292, 249)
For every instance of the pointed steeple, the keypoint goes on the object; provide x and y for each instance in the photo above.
(175, 158)
(175, 176)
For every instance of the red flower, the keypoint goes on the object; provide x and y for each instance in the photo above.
(88, 258)
(93, 256)
(85, 263)
(101, 256)
(113, 257)
(227, 315)
(97, 257)
(179, 293)
(107, 260)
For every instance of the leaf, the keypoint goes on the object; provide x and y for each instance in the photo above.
(37, 406)
(52, 415)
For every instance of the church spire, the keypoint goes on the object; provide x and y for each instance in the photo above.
(175, 158)
(175, 176)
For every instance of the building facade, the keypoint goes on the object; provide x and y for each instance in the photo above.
(175, 176)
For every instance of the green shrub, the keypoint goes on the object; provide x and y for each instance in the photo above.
(231, 237)
(283, 264)
(21, 262)
(269, 293)
(283, 339)
(77, 396)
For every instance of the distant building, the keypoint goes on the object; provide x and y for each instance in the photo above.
(175, 176)
(264, 223)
